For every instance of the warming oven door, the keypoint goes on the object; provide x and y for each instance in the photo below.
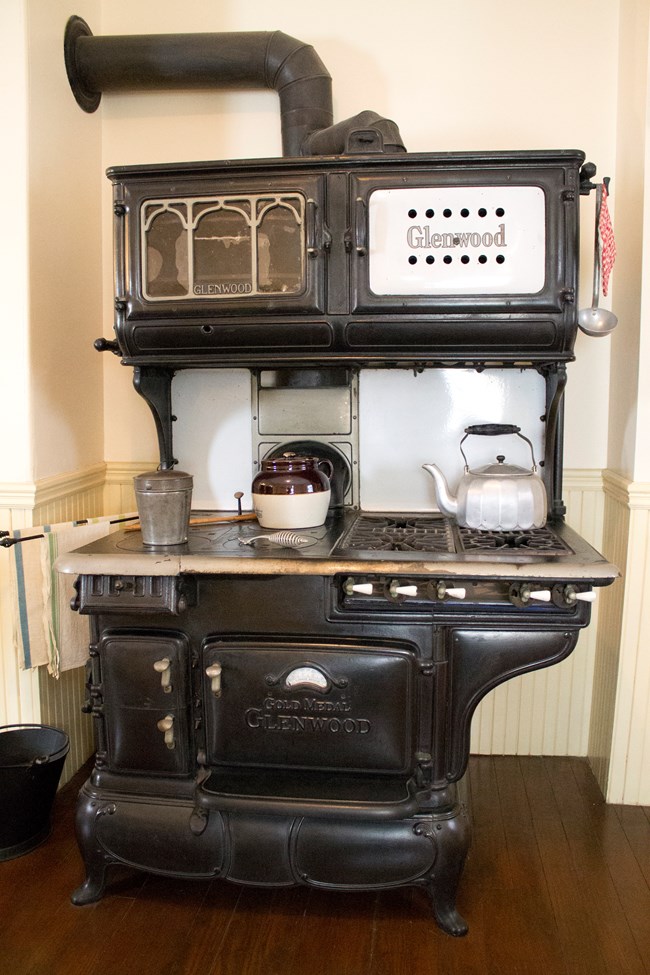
(470, 251)
(333, 706)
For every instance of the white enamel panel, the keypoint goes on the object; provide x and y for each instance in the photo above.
(212, 434)
(457, 240)
(407, 420)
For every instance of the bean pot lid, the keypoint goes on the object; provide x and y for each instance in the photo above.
(290, 462)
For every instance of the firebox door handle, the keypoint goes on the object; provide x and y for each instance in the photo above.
(214, 673)
(164, 668)
(541, 595)
(166, 726)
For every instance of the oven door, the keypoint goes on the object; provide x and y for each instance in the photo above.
(309, 705)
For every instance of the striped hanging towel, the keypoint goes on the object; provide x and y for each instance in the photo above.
(46, 631)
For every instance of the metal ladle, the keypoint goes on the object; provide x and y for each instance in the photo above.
(597, 321)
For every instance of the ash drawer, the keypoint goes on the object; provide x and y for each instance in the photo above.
(309, 705)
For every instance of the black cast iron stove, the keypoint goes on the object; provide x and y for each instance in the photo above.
(301, 714)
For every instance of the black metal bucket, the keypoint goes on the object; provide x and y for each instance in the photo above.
(31, 761)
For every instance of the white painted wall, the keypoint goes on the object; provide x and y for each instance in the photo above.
(628, 440)
(453, 76)
(64, 254)
(15, 456)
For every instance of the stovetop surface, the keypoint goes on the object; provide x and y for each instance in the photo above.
(349, 541)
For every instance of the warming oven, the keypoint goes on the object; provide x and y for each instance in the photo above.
(297, 709)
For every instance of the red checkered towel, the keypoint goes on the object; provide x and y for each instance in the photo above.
(607, 242)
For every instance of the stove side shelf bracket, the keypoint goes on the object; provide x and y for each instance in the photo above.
(154, 384)
(556, 379)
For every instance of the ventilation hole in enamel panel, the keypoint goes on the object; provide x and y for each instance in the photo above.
(464, 259)
(464, 212)
(500, 259)
(430, 259)
(500, 211)
(413, 259)
(482, 212)
(482, 259)
(447, 259)
(413, 214)
(430, 213)
(446, 212)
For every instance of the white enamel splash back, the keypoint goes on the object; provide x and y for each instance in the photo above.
(407, 420)
(212, 434)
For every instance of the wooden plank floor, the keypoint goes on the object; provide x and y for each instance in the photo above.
(556, 883)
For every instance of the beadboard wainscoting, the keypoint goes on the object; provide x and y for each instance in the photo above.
(30, 696)
(119, 492)
(19, 689)
(596, 703)
(619, 747)
(548, 712)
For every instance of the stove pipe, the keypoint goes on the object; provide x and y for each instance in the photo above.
(231, 60)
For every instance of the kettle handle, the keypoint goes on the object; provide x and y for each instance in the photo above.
(495, 430)
(491, 429)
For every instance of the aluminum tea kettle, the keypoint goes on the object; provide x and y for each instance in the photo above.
(497, 497)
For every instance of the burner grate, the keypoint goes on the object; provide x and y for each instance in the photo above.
(436, 535)
(412, 534)
(543, 540)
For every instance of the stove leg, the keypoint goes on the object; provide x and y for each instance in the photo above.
(451, 841)
(93, 887)
(95, 859)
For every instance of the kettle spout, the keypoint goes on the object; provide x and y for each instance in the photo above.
(447, 503)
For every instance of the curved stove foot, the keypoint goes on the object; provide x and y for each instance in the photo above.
(448, 918)
(450, 836)
(92, 889)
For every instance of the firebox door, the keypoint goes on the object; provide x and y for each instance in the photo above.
(310, 705)
(145, 688)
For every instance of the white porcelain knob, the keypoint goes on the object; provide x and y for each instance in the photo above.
(456, 593)
(541, 595)
(586, 597)
(404, 591)
(365, 588)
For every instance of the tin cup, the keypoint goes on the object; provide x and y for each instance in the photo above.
(164, 500)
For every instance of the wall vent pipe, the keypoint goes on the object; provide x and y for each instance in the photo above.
(230, 60)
